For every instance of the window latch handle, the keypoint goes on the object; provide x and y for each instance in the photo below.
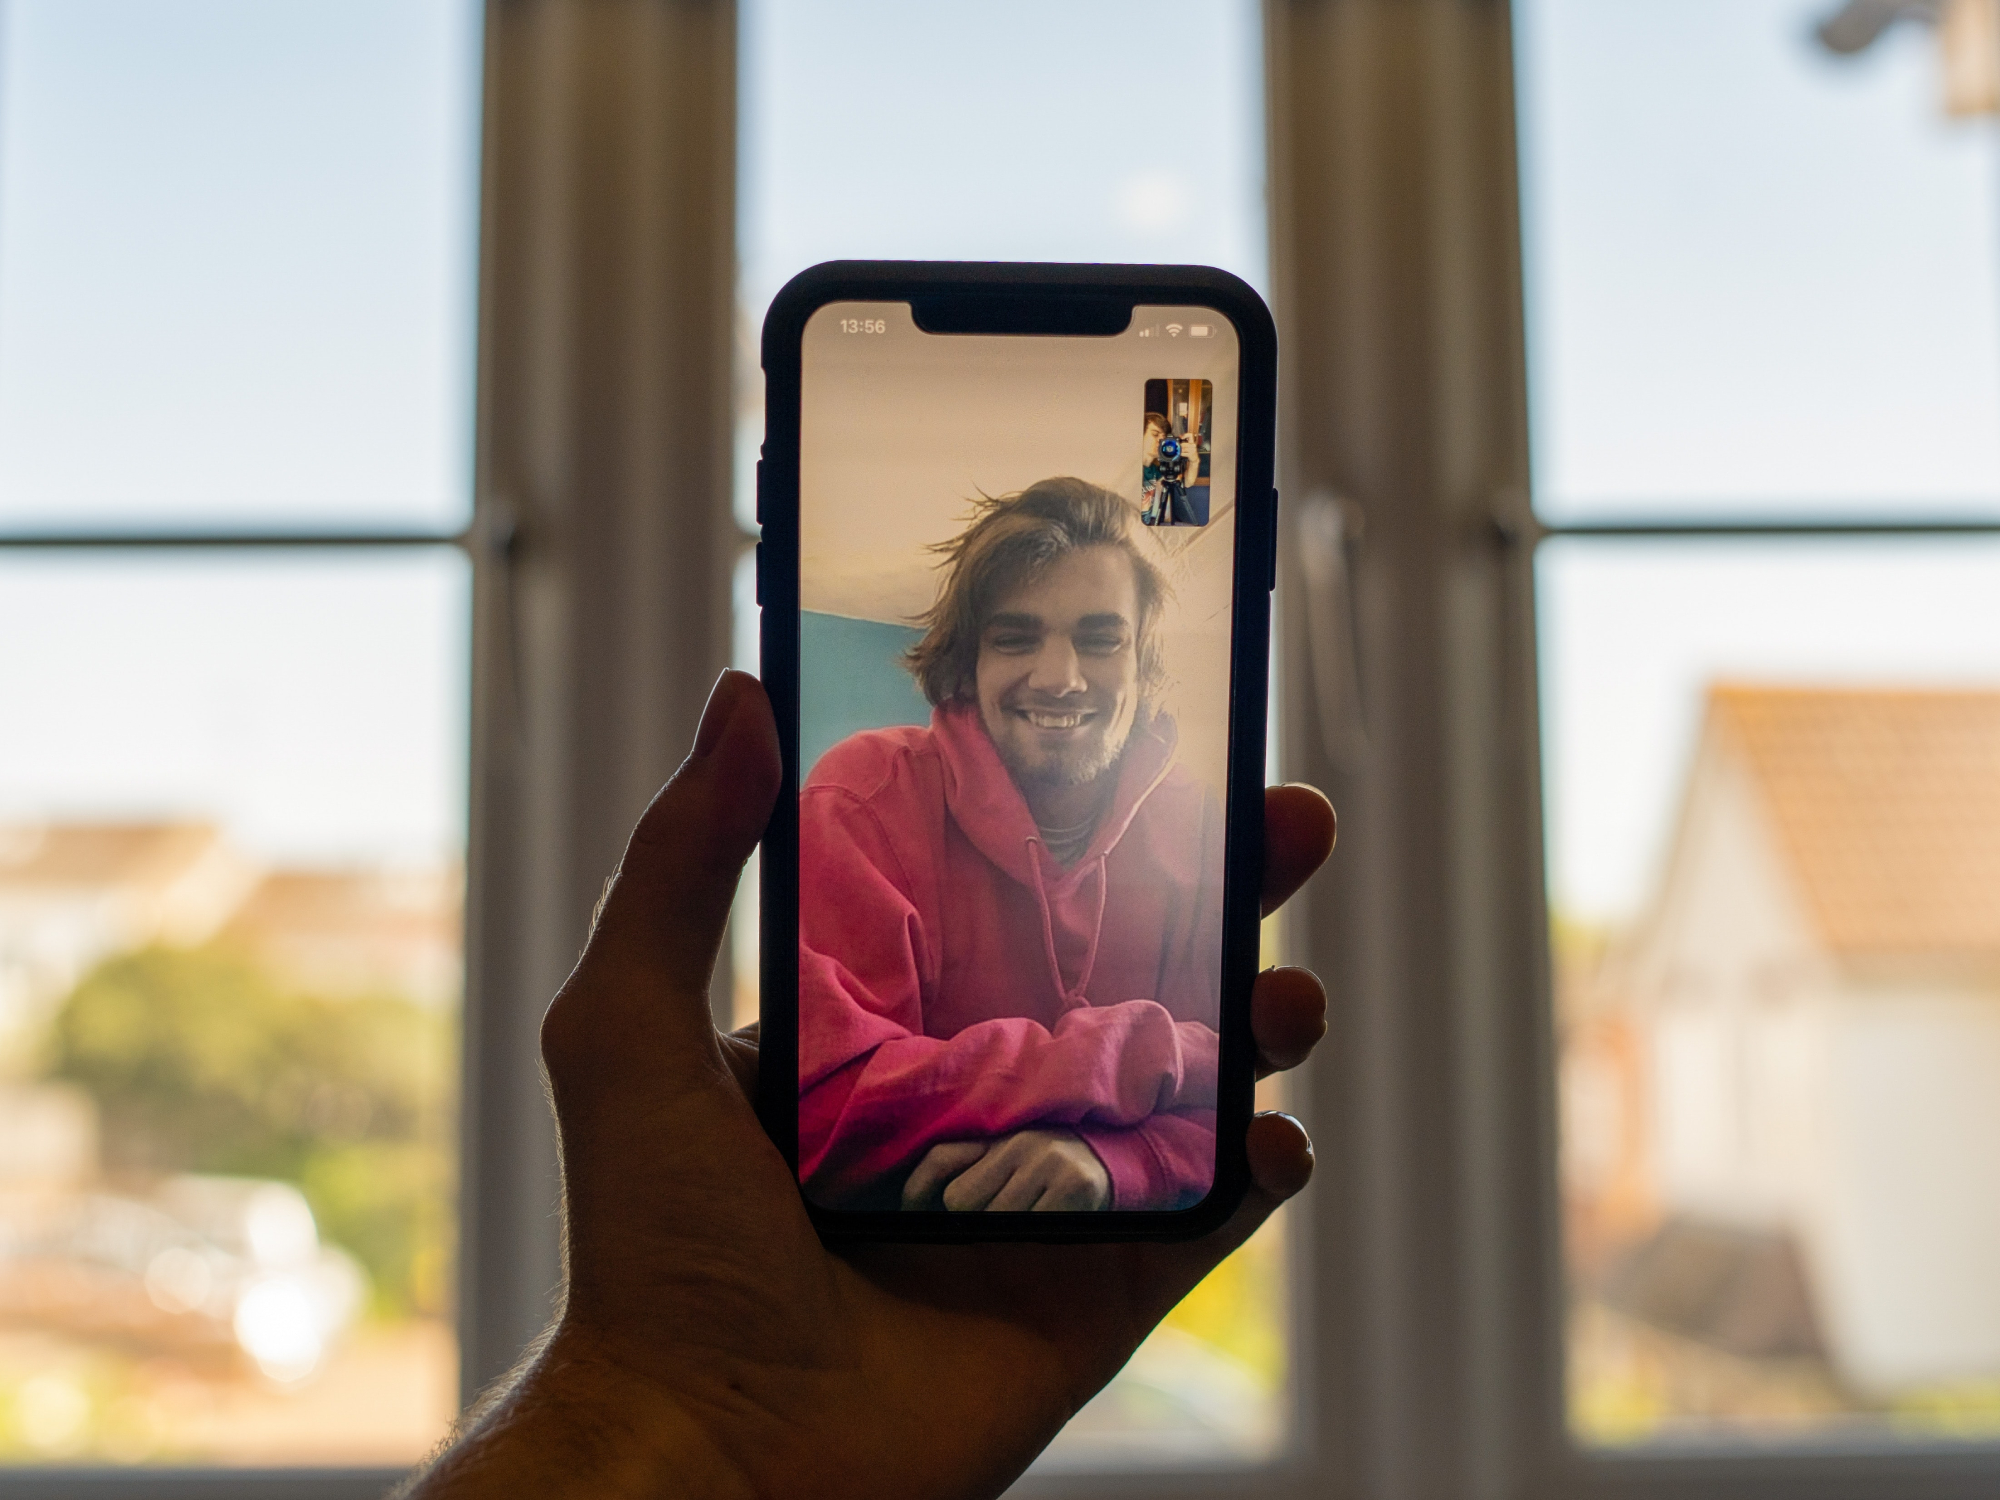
(1330, 530)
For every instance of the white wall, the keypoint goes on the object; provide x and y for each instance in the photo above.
(1728, 978)
(1907, 1245)
(1786, 1093)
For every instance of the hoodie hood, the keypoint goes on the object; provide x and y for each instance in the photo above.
(994, 814)
(957, 983)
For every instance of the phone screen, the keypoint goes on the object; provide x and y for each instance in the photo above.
(1016, 573)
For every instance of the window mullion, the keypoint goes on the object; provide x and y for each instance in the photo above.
(606, 290)
(1396, 246)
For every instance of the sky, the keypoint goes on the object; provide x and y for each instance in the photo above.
(1760, 280)
(236, 284)
(1759, 274)
(1033, 131)
(235, 260)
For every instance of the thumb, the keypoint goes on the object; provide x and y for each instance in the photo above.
(653, 946)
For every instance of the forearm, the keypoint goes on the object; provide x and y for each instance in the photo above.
(1115, 1065)
(567, 1424)
(1166, 1162)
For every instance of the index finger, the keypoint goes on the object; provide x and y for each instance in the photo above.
(1299, 830)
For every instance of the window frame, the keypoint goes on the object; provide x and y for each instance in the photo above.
(1427, 1339)
(1398, 239)
(1427, 1336)
(601, 562)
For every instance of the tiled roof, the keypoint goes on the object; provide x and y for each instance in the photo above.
(418, 906)
(1887, 803)
(357, 931)
(100, 854)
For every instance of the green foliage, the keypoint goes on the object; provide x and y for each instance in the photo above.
(389, 1204)
(1239, 1307)
(1968, 1410)
(199, 1063)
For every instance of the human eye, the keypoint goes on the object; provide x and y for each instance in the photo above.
(1013, 641)
(1100, 642)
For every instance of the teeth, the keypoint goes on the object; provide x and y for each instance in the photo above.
(1053, 721)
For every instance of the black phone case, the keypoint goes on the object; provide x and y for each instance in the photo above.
(1023, 298)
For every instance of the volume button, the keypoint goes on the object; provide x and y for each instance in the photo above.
(1273, 573)
(760, 492)
(759, 565)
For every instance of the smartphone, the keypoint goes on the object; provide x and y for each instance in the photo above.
(1019, 539)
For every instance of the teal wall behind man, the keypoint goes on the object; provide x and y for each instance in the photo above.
(850, 678)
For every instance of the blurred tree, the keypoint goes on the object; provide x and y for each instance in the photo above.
(200, 1062)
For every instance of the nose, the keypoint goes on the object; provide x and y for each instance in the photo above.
(1056, 671)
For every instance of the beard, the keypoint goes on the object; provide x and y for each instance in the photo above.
(1094, 752)
(1079, 767)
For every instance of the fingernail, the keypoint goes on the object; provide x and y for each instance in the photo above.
(723, 700)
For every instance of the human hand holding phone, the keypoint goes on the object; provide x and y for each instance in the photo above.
(709, 1341)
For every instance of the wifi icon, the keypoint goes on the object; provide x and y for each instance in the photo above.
(1173, 330)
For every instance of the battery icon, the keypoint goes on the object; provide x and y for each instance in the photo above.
(1199, 330)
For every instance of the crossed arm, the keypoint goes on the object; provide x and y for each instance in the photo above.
(1111, 1105)
(1031, 1170)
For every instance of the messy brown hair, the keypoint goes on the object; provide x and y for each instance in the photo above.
(1010, 540)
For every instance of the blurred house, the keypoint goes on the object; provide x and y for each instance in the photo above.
(200, 1268)
(1811, 1015)
(73, 894)
(343, 932)
(48, 1138)
(1609, 1196)
(227, 1269)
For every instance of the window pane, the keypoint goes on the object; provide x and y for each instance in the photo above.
(1773, 791)
(231, 832)
(1762, 276)
(1030, 147)
(1209, 1387)
(236, 261)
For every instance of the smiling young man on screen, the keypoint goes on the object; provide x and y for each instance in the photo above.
(1011, 920)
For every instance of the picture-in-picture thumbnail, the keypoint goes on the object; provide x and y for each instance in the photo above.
(1174, 470)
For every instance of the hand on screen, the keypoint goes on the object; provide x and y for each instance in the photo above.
(1040, 1170)
(940, 1166)
(708, 1340)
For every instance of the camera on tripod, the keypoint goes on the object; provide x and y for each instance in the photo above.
(1173, 483)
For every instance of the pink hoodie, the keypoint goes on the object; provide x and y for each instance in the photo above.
(956, 982)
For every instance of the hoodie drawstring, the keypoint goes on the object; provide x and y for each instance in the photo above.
(1071, 998)
(1096, 929)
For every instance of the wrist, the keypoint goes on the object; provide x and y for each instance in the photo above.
(576, 1423)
